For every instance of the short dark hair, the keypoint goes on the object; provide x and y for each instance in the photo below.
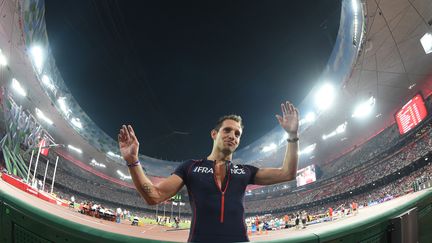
(233, 117)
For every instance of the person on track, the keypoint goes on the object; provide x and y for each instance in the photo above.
(215, 185)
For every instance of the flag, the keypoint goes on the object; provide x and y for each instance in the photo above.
(43, 143)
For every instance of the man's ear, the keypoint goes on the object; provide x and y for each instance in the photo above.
(213, 134)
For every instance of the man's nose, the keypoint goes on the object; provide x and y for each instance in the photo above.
(231, 135)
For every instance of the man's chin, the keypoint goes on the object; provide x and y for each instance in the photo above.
(228, 151)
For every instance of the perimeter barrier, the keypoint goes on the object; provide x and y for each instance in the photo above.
(410, 222)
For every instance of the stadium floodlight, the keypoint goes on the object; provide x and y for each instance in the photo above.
(269, 147)
(18, 88)
(95, 163)
(284, 138)
(309, 118)
(308, 149)
(42, 116)
(355, 6)
(111, 154)
(75, 149)
(426, 42)
(364, 109)
(340, 129)
(324, 97)
(123, 176)
(63, 106)
(37, 55)
(47, 82)
(3, 60)
(76, 122)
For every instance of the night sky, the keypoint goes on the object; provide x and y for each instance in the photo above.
(172, 68)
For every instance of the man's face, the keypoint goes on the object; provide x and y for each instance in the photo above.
(227, 139)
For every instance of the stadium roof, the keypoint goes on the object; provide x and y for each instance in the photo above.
(173, 68)
(385, 60)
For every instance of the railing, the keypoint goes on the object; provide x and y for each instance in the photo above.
(23, 222)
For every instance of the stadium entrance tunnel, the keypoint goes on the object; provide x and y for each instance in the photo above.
(23, 222)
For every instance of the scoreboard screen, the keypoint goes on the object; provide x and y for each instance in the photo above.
(306, 175)
(411, 114)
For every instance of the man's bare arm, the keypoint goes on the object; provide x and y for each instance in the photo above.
(154, 194)
(288, 171)
(289, 121)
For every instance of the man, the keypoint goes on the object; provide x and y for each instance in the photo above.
(215, 185)
(118, 215)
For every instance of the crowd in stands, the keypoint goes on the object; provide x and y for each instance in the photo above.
(360, 177)
(341, 207)
(385, 154)
(74, 179)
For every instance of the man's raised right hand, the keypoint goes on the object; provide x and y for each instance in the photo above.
(128, 144)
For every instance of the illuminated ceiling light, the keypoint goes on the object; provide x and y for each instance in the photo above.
(18, 88)
(111, 154)
(340, 129)
(75, 149)
(269, 147)
(95, 163)
(355, 6)
(324, 97)
(309, 118)
(3, 60)
(426, 42)
(364, 109)
(42, 116)
(123, 176)
(378, 115)
(47, 82)
(308, 149)
(38, 57)
(63, 106)
(76, 122)
(412, 86)
(284, 138)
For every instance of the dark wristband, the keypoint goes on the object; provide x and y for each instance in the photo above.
(133, 164)
(292, 140)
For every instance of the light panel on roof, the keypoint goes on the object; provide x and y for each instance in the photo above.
(18, 88)
(37, 55)
(43, 117)
(75, 149)
(426, 42)
(364, 109)
(3, 60)
(325, 96)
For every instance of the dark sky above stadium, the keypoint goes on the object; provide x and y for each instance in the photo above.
(172, 68)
